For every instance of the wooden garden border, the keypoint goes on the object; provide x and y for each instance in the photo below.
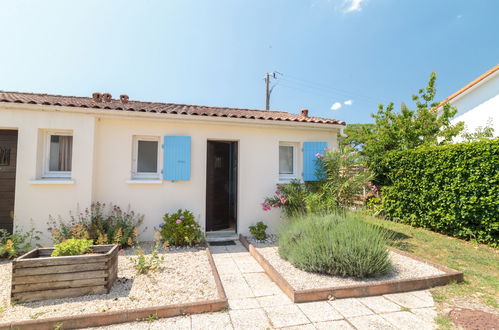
(128, 315)
(356, 290)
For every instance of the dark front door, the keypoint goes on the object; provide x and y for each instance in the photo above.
(8, 153)
(221, 185)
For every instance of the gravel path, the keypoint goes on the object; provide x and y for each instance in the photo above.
(185, 276)
(404, 268)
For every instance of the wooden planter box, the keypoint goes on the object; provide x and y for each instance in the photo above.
(38, 276)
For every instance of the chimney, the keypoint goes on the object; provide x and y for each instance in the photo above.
(106, 97)
(97, 97)
(304, 113)
(123, 98)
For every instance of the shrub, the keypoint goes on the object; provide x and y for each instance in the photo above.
(72, 247)
(180, 229)
(102, 225)
(342, 245)
(258, 231)
(143, 263)
(13, 245)
(450, 189)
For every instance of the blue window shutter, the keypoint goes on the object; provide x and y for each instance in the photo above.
(177, 158)
(310, 150)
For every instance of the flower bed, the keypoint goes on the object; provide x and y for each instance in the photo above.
(410, 273)
(185, 282)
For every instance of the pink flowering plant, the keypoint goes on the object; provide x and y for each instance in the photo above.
(180, 229)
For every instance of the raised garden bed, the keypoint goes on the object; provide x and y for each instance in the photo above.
(187, 282)
(38, 276)
(411, 273)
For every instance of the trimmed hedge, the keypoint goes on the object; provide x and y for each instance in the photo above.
(451, 189)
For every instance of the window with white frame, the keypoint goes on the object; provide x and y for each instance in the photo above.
(58, 155)
(288, 160)
(145, 157)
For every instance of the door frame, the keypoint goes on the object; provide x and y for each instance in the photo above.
(16, 130)
(236, 203)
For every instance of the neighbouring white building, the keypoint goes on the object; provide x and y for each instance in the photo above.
(478, 102)
(60, 153)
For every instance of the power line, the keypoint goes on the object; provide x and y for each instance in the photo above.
(268, 89)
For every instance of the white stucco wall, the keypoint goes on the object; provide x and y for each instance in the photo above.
(479, 104)
(102, 162)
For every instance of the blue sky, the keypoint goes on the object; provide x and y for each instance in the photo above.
(217, 52)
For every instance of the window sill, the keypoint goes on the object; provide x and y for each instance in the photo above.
(287, 180)
(53, 181)
(144, 181)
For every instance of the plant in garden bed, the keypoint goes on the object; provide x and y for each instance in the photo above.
(101, 224)
(258, 231)
(13, 245)
(72, 247)
(335, 244)
(143, 263)
(180, 229)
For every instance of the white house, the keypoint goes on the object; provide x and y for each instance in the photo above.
(58, 153)
(478, 102)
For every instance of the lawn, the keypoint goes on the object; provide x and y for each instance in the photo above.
(479, 263)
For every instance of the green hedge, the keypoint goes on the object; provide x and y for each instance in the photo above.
(450, 189)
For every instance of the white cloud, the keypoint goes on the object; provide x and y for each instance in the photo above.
(352, 5)
(336, 106)
(348, 102)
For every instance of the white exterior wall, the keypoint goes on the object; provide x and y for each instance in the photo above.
(479, 104)
(102, 163)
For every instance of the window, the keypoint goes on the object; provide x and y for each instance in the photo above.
(58, 155)
(287, 160)
(146, 158)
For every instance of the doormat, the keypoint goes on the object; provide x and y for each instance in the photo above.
(222, 243)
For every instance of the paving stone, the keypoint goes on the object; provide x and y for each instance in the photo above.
(428, 314)
(274, 300)
(320, 311)
(261, 284)
(249, 319)
(424, 295)
(336, 325)
(370, 322)
(248, 265)
(211, 321)
(408, 300)
(406, 320)
(300, 327)
(286, 316)
(350, 307)
(244, 303)
(380, 304)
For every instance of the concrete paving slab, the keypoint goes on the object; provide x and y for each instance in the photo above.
(211, 321)
(286, 316)
(274, 300)
(428, 314)
(406, 321)
(320, 311)
(379, 304)
(350, 307)
(424, 295)
(261, 284)
(406, 299)
(249, 319)
(244, 303)
(336, 325)
(371, 322)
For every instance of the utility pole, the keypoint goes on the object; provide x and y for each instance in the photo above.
(268, 89)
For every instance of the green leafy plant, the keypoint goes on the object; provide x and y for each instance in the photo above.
(335, 244)
(449, 189)
(180, 229)
(72, 247)
(13, 245)
(143, 263)
(258, 231)
(99, 223)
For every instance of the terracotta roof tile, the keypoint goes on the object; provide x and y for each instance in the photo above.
(157, 107)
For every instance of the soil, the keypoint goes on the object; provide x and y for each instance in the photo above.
(473, 319)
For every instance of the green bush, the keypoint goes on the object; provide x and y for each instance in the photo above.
(180, 228)
(72, 247)
(258, 231)
(101, 224)
(13, 245)
(451, 189)
(342, 245)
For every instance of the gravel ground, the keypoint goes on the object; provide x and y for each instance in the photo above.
(404, 268)
(185, 276)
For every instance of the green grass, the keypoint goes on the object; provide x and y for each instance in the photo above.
(479, 263)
